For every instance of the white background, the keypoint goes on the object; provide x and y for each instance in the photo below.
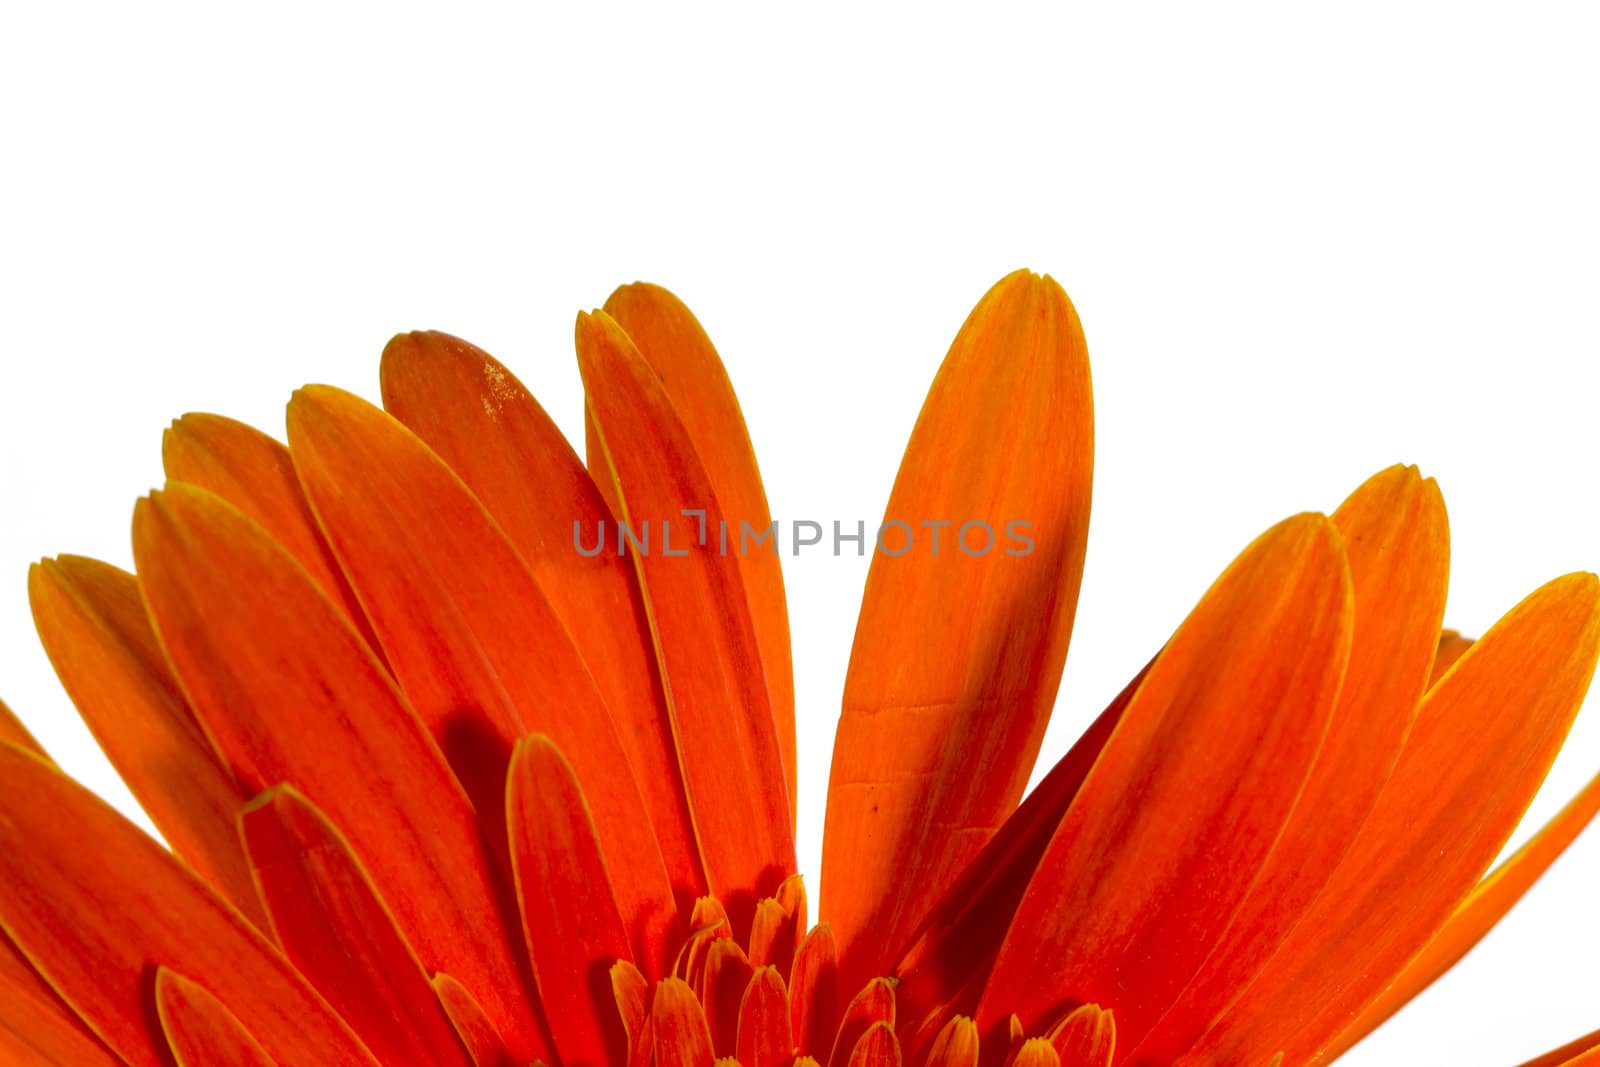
(1304, 247)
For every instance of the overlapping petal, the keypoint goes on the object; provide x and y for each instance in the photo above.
(959, 648)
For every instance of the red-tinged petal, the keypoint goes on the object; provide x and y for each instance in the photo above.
(700, 617)
(1484, 907)
(956, 1044)
(708, 924)
(481, 421)
(764, 1038)
(1483, 739)
(36, 1026)
(691, 373)
(727, 976)
(476, 1033)
(877, 1047)
(631, 991)
(780, 922)
(959, 649)
(13, 732)
(1036, 1052)
(1396, 537)
(1130, 897)
(471, 638)
(255, 474)
(680, 1034)
(1584, 1059)
(964, 931)
(874, 1004)
(289, 693)
(814, 992)
(335, 928)
(1085, 1037)
(96, 906)
(1452, 646)
(575, 932)
(200, 1029)
(91, 618)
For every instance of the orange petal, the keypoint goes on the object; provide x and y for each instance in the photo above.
(1215, 746)
(695, 381)
(878, 1048)
(699, 614)
(481, 421)
(874, 1004)
(1484, 907)
(200, 1029)
(334, 927)
(681, 1036)
(814, 992)
(1396, 538)
(956, 1044)
(1452, 646)
(91, 618)
(945, 706)
(965, 929)
(1085, 1037)
(1584, 1052)
(289, 693)
(1483, 739)
(255, 474)
(478, 1035)
(96, 906)
(631, 990)
(36, 1026)
(472, 639)
(1036, 1052)
(764, 1038)
(728, 974)
(13, 732)
(780, 922)
(569, 916)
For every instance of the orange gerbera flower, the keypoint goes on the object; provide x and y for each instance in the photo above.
(447, 783)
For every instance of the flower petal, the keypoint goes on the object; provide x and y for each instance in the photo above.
(478, 1035)
(958, 655)
(681, 1036)
(956, 1044)
(963, 933)
(879, 1048)
(1396, 537)
(336, 930)
(91, 618)
(289, 693)
(814, 992)
(96, 906)
(1484, 907)
(764, 1038)
(1036, 1052)
(1484, 737)
(200, 1029)
(1085, 1037)
(470, 635)
(36, 1026)
(1130, 897)
(874, 1004)
(631, 990)
(481, 421)
(570, 919)
(255, 474)
(700, 616)
(728, 974)
(691, 373)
